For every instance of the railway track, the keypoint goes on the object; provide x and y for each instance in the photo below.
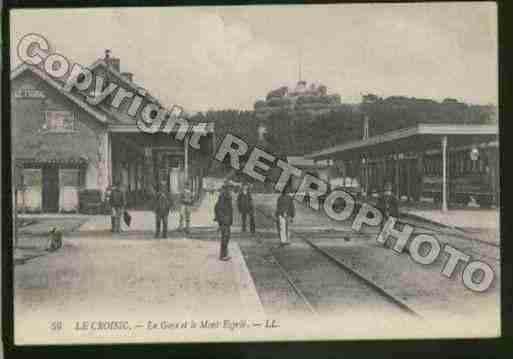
(297, 266)
(450, 231)
(478, 247)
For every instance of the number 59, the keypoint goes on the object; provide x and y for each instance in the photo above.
(56, 325)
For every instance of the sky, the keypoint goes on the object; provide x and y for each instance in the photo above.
(229, 57)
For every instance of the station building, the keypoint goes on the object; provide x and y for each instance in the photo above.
(62, 144)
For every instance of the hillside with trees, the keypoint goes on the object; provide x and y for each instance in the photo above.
(288, 134)
(397, 112)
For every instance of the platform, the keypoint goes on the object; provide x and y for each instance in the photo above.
(202, 216)
(132, 278)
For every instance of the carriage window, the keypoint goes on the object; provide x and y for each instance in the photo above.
(70, 177)
(452, 163)
(456, 166)
(482, 161)
(31, 177)
(473, 166)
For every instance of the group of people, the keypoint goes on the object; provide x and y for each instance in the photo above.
(163, 203)
(223, 212)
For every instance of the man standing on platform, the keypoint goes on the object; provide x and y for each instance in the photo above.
(285, 212)
(245, 207)
(117, 203)
(224, 217)
(186, 200)
(388, 204)
(161, 206)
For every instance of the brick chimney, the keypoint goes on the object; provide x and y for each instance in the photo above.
(112, 62)
(128, 76)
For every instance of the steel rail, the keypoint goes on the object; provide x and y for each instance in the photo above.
(391, 298)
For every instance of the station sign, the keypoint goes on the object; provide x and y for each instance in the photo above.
(29, 92)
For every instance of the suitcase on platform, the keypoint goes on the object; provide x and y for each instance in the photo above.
(127, 218)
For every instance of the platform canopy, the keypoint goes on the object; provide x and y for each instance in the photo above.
(418, 138)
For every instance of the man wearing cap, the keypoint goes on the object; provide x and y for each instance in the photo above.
(285, 212)
(117, 202)
(224, 217)
(388, 204)
(162, 204)
(246, 209)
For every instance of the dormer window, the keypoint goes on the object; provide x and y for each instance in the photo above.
(59, 121)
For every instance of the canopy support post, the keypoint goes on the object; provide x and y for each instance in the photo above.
(444, 173)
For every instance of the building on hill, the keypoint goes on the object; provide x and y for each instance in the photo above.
(302, 100)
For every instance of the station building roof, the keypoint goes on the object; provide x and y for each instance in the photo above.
(116, 119)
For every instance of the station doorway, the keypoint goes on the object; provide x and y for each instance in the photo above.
(50, 189)
(143, 163)
(170, 172)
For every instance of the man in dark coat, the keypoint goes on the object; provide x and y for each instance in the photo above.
(117, 203)
(388, 204)
(224, 217)
(285, 212)
(245, 206)
(161, 205)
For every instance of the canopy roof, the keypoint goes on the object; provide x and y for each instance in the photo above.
(418, 138)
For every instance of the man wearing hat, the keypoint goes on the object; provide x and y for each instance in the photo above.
(388, 204)
(224, 217)
(246, 208)
(117, 203)
(161, 206)
(285, 212)
(186, 200)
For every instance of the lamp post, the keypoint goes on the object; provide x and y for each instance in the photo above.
(444, 174)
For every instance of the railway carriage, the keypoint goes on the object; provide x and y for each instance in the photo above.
(472, 175)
